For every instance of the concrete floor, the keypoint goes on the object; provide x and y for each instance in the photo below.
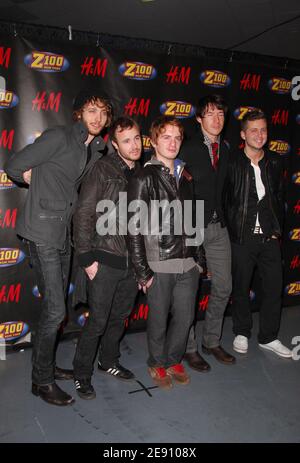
(256, 400)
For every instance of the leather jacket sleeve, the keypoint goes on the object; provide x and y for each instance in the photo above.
(139, 190)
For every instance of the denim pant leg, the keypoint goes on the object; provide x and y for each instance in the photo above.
(122, 305)
(52, 268)
(218, 256)
(159, 298)
(182, 315)
(101, 291)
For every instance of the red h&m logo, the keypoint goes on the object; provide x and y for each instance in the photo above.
(141, 313)
(8, 218)
(297, 207)
(5, 56)
(7, 138)
(94, 67)
(137, 107)
(203, 303)
(46, 103)
(280, 116)
(10, 293)
(250, 82)
(295, 262)
(179, 75)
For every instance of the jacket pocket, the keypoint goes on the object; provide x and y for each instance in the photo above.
(52, 209)
(53, 204)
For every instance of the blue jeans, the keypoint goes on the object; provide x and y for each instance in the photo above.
(52, 269)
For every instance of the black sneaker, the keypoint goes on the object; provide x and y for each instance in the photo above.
(85, 389)
(118, 371)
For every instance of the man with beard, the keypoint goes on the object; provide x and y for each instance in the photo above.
(53, 167)
(103, 254)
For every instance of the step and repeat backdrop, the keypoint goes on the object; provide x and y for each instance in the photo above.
(42, 78)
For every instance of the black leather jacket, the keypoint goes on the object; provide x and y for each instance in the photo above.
(105, 181)
(154, 182)
(236, 191)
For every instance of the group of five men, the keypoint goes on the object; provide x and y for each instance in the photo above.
(243, 213)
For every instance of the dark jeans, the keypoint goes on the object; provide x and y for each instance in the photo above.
(52, 269)
(266, 256)
(112, 295)
(171, 295)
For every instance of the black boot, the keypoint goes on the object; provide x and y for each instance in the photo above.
(52, 394)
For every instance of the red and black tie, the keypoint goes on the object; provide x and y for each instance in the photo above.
(214, 150)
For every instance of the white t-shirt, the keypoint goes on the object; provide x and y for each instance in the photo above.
(260, 189)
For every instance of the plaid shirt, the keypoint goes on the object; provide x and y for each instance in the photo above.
(208, 143)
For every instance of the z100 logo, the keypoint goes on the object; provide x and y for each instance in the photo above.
(8, 99)
(146, 143)
(44, 61)
(179, 109)
(279, 146)
(137, 71)
(296, 178)
(293, 289)
(11, 256)
(280, 85)
(13, 330)
(240, 112)
(215, 79)
(294, 234)
(5, 182)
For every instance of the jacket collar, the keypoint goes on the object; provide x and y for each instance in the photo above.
(178, 165)
(119, 161)
(81, 133)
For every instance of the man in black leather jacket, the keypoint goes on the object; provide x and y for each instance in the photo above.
(254, 208)
(163, 259)
(54, 166)
(100, 245)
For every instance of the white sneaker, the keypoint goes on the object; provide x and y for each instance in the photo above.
(240, 344)
(277, 348)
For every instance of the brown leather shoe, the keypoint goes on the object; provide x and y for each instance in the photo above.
(196, 362)
(220, 354)
(178, 374)
(160, 377)
(52, 394)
